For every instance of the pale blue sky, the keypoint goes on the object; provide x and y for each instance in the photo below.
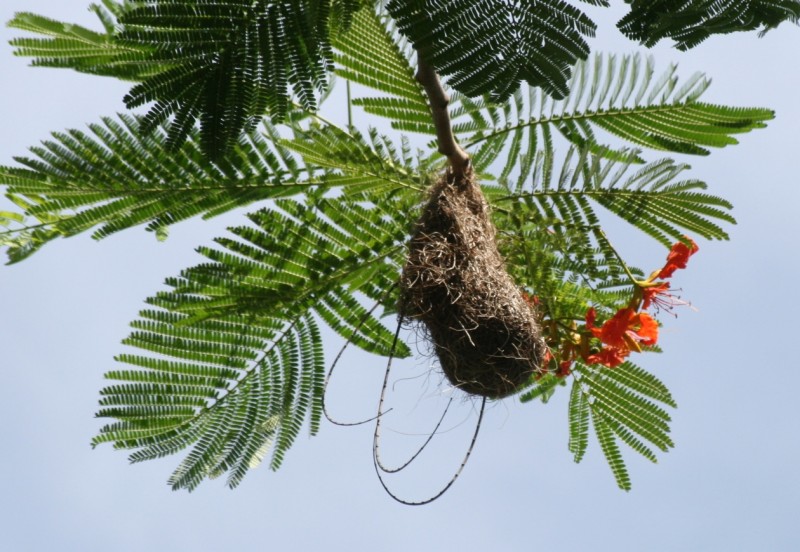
(731, 483)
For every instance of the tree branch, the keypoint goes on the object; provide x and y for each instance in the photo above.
(427, 77)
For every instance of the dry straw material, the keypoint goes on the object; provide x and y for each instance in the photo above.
(455, 286)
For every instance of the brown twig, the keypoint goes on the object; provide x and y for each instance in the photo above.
(427, 77)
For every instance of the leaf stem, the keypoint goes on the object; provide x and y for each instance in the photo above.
(601, 234)
(29, 227)
(349, 108)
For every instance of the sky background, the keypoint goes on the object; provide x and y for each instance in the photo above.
(731, 483)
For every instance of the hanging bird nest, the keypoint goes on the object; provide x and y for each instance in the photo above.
(455, 285)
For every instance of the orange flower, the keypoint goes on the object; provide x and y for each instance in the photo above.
(653, 295)
(678, 257)
(626, 330)
(659, 295)
(608, 356)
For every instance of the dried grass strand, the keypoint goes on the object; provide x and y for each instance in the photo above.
(379, 470)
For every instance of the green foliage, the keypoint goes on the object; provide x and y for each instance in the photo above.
(228, 361)
(76, 47)
(21, 238)
(578, 422)
(649, 197)
(342, 12)
(490, 46)
(235, 364)
(622, 408)
(223, 63)
(622, 96)
(359, 164)
(228, 63)
(370, 55)
(690, 22)
(116, 177)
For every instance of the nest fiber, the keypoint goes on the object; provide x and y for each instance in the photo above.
(456, 286)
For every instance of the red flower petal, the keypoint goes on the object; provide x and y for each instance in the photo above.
(608, 356)
(678, 257)
(626, 330)
(564, 369)
(591, 316)
(651, 293)
(645, 328)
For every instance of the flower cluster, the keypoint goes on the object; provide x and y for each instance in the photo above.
(626, 331)
(631, 328)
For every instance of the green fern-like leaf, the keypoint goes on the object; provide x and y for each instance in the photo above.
(230, 62)
(610, 448)
(76, 47)
(370, 54)
(342, 14)
(234, 363)
(224, 63)
(578, 421)
(24, 235)
(116, 177)
(621, 403)
(490, 46)
(623, 96)
(690, 22)
(651, 198)
(641, 382)
(359, 164)
(541, 389)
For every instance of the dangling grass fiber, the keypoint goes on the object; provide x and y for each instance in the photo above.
(455, 285)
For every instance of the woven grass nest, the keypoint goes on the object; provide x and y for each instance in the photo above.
(455, 287)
